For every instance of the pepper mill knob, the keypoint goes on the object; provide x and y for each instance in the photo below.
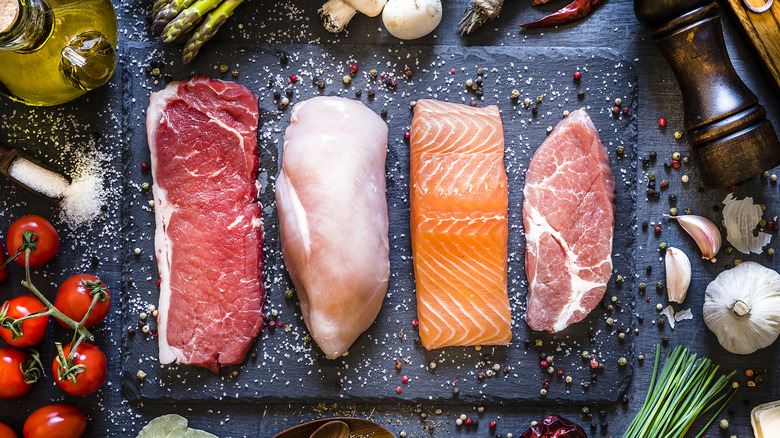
(727, 128)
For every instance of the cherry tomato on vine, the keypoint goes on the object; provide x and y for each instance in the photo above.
(48, 240)
(18, 372)
(33, 329)
(6, 432)
(76, 295)
(55, 421)
(92, 363)
(4, 270)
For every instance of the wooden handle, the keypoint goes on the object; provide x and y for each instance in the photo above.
(727, 128)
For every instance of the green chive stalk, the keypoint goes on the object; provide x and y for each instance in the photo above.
(686, 389)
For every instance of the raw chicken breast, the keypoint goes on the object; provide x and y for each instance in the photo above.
(333, 217)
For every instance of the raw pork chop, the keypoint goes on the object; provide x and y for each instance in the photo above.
(333, 217)
(459, 224)
(209, 235)
(569, 218)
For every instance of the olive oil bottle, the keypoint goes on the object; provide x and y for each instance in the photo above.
(53, 51)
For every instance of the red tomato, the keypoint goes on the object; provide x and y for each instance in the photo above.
(55, 421)
(13, 362)
(75, 296)
(33, 329)
(48, 240)
(88, 381)
(6, 432)
(3, 271)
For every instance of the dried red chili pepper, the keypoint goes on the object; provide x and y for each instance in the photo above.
(575, 11)
(555, 427)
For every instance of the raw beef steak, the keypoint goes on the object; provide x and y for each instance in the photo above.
(209, 235)
(569, 216)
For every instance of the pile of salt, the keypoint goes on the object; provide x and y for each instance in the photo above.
(41, 180)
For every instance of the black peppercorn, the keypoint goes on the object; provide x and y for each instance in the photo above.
(649, 270)
(289, 92)
(645, 163)
(277, 95)
(283, 59)
(383, 113)
(535, 111)
(321, 85)
(641, 318)
(455, 391)
(580, 95)
(653, 155)
(661, 322)
(479, 92)
(358, 92)
(625, 400)
(672, 198)
(593, 425)
(130, 331)
(651, 184)
(371, 94)
(665, 339)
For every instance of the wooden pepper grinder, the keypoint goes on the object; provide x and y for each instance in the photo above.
(727, 128)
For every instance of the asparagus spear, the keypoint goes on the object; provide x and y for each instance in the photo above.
(185, 21)
(208, 29)
(168, 13)
(159, 4)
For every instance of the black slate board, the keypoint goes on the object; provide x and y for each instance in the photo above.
(283, 368)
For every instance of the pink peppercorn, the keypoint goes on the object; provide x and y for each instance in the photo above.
(732, 187)
(467, 421)
(353, 68)
(399, 390)
(559, 372)
(452, 72)
(676, 164)
(544, 364)
(159, 280)
(594, 363)
(415, 322)
(657, 228)
(279, 324)
(625, 111)
(615, 109)
(577, 76)
(405, 379)
(408, 73)
(493, 424)
(272, 324)
(406, 135)
(293, 78)
(647, 300)
(662, 122)
(145, 166)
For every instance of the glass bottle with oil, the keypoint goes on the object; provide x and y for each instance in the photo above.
(53, 51)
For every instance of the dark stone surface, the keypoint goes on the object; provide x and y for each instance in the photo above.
(261, 22)
(286, 368)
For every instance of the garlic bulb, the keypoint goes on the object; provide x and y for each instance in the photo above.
(703, 231)
(678, 274)
(742, 307)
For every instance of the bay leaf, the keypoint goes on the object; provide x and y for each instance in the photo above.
(171, 426)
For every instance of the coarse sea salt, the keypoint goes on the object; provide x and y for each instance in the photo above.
(41, 180)
(80, 200)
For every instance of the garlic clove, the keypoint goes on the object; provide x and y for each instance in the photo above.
(704, 233)
(678, 274)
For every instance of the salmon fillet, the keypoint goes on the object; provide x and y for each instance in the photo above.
(459, 204)
(569, 217)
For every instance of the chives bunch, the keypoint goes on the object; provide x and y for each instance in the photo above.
(686, 389)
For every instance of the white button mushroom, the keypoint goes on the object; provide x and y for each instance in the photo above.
(336, 14)
(411, 19)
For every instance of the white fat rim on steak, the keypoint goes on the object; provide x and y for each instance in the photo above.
(162, 215)
(539, 225)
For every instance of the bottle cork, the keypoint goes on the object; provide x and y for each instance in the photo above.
(9, 12)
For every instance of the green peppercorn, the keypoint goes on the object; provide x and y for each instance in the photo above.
(662, 246)
(688, 211)
(620, 150)
(307, 339)
(223, 68)
(585, 354)
(619, 279)
(622, 361)
(373, 73)
(659, 285)
(673, 211)
(610, 321)
(156, 71)
(515, 94)
(538, 342)
(480, 71)
(762, 223)
(145, 186)
(642, 286)
(770, 251)
(288, 293)
(651, 176)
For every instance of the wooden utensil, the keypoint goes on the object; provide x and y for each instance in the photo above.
(358, 428)
(763, 30)
(332, 429)
(7, 156)
(727, 128)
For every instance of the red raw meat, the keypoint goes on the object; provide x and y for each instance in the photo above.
(569, 216)
(202, 136)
